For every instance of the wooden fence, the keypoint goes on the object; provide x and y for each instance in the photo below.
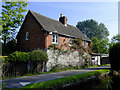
(19, 69)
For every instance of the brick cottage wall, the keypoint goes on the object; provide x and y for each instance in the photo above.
(36, 38)
(63, 42)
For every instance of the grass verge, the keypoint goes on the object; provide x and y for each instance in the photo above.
(61, 82)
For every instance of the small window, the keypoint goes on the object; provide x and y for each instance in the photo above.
(84, 44)
(54, 39)
(93, 58)
(70, 42)
(27, 34)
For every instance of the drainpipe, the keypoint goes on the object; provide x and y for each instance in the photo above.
(45, 40)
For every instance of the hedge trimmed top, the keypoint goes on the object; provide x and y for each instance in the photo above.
(36, 55)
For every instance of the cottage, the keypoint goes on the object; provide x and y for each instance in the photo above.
(38, 31)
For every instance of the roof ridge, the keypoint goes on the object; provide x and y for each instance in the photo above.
(44, 16)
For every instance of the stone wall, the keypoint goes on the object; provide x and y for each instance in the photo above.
(62, 59)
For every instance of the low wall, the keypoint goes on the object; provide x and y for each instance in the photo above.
(62, 59)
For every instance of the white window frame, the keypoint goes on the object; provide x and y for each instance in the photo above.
(27, 35)
(55, 38)
(85, 44)
(70, 42)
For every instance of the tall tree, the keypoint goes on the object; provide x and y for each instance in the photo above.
(100, 46)
(115, 39)
(12, 18)
(91, 28)
(0, 25)
(95, 45)
(104, 46)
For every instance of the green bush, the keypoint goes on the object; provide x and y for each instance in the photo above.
(38, 55)
(18, 57)
(114, 56)
(9, 48)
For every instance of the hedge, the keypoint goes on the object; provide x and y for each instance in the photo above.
(18, 57)
(114, 56)
(38, 55)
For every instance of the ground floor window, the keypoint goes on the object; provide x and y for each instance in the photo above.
(54, 38)
(70, 42)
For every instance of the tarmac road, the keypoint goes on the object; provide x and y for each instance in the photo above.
(21, 81)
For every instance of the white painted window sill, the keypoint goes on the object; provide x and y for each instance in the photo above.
(70, 45)
(54, 43)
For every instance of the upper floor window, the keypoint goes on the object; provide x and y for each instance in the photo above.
(27, 34)
(70, 42)
(54, 39)
(84, 44)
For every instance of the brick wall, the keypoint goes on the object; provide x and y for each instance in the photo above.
(63, 42)
(48, 41)
(36, 38)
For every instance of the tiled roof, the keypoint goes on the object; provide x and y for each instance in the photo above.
(51, 25)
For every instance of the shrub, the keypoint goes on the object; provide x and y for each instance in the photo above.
(114, 56)
(9, 48)
(38, 55)
(54, 46)
(18, 57)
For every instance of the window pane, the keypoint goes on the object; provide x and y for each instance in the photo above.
(53, 38)
(56, 38)
(70, 41)
(27, 35)
(85, 44)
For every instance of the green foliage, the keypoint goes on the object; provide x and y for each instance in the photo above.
(114, 56)
(95, 45)
(59, 83)
(18, 57)
(99, 46)
(3, 85)
(12, 18)
(54, 47)
(77, 43)
(115, 39)
(104, 46)
(38, 55)
(91, 28)
(0, 25)
(9, 48)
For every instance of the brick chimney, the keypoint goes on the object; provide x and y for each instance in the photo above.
(63, 19)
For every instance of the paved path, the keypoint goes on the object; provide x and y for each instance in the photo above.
(19, 82)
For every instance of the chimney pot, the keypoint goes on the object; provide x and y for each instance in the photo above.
(61, 15)
(63, 19)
